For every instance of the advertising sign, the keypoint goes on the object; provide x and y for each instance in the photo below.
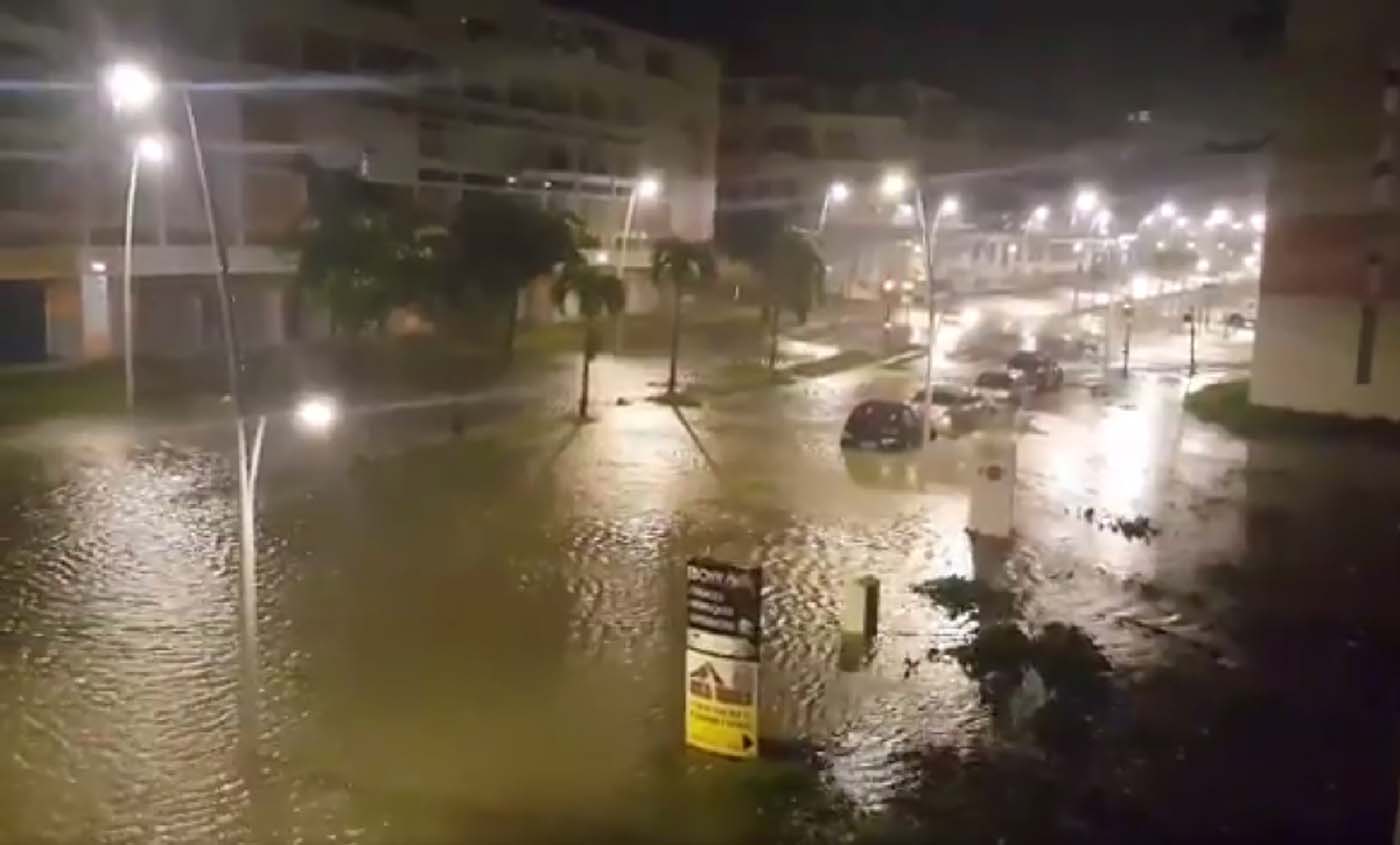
(723, 630)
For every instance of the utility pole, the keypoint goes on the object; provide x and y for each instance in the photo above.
(1190, 318)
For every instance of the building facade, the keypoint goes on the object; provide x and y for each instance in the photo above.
(1329, 310)
(428, 98)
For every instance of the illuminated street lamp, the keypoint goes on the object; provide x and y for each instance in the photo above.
(1040, 216)
(894, 184)
(150, 149)
(836, 193)
(1220, 216)
(644, 189)
(1258, 220)
(951, 206)
(1167, 210)
(130, 86)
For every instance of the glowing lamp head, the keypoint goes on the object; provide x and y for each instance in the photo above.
(950, 206)
(648, 187)
(151, 149)
(1086, 200)
(839, 192)
(893, 184)
(130, 86)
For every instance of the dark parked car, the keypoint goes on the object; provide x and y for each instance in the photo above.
(880, 424)
(1040, 370)
(1004, 387)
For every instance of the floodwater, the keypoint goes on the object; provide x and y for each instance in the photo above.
(478, 636)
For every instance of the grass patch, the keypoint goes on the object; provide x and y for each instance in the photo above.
(32, 395)
(1227, 404)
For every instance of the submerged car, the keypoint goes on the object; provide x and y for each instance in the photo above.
(1037, 368)
(882, 424)
(955, 408)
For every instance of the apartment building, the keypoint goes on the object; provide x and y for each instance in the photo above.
(815, 155)
(1328, 335)
(429, 98)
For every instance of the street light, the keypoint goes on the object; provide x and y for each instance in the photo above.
(645, 189)
(1040, 215)
(130, 86)
(950, 207)
(1258, 220)
(151, 149)
(1219, 216)
(836, 193)
(1086, 200)
(894, 184)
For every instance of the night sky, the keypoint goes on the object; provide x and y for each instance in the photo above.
(1198, 61)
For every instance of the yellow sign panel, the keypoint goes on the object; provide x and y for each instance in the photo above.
(721, 704)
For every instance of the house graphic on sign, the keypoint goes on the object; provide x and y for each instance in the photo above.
(707, 682)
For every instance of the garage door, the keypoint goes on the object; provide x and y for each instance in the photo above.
(22, 326)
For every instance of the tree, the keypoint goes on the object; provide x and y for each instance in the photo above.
(357, 254)
(497, 244)
(685, 266)
(793, 274)
(596, 291)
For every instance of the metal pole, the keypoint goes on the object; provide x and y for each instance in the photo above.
(826, 206)
(1127, 339)
(927, 234)
(1192, 370)
(621, 314)
(247, 466)
(128, 303)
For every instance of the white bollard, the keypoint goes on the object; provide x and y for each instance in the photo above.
(860, 612)
(992, 504)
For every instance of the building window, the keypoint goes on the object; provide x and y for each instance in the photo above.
(324, 52)
(789, 140)
(600, 44)
(660, 63)
(842, 143)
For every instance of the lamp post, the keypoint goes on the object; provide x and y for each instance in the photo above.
(893, 185)
(645, 188)
(132, 87)
(836, 193)
(148, 148)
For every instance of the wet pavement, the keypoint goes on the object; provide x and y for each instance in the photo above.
(472, 630)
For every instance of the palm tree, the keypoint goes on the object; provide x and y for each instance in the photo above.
(685, 266)
(793, 273)
(597, 291)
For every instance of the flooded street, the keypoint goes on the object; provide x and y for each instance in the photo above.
(478, 635)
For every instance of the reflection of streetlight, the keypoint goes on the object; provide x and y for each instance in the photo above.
(317, 413)
(1203, 266)
(148, 148)
(836, 193)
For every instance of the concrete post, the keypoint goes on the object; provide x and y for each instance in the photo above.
(860, 611)
(991, 510)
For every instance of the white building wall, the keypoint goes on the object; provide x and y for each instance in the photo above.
(1305, 357)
